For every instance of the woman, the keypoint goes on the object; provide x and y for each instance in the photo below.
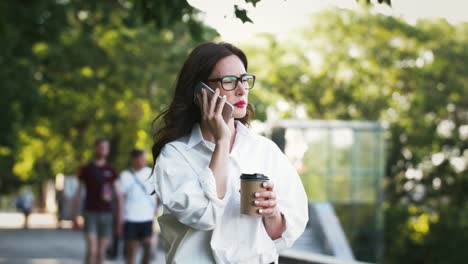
(199, 158)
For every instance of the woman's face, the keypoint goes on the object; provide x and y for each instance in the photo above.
(238, 97)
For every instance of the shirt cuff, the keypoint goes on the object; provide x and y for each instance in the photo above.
(280, 244)
(284, 241)
(208, 184)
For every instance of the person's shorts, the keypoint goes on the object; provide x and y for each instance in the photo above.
(100, 223)
(138, 230)
(27, 211)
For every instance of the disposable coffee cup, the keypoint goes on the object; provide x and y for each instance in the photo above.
(250, 184)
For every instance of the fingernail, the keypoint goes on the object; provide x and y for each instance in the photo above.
(260, 211)
(257, 194)
(256, 202)
(264, 184)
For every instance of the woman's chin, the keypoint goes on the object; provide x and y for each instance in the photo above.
(239, 113)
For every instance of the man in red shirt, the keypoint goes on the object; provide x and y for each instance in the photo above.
(101, 182)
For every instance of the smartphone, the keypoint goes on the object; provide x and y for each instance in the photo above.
(228, 109)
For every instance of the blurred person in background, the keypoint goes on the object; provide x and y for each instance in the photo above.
(100, 181)
(139, 207)
(24, 203)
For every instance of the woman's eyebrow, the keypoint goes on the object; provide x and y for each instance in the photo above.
(240, 75)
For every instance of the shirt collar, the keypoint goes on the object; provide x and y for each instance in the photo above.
(242, 129)
(196, 136)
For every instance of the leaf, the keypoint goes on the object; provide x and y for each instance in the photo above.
(254, 2)
(369, 2)
(241, 14)
(388, 2)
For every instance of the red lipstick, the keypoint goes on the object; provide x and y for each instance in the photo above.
(240, 104)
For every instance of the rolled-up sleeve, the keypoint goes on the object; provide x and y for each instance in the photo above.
(291, 201)
(188, 191)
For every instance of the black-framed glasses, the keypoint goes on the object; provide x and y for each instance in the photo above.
(229, 82)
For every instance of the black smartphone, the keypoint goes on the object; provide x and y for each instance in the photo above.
(228, 109)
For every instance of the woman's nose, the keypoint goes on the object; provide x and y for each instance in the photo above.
(240, 89)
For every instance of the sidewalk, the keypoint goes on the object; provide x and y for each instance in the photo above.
(42, 243)
(41, 246)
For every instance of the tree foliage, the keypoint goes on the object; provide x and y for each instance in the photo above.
(76, 70)
(413, 79)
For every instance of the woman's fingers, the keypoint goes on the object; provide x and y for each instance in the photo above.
(268, 185)
(266, 200)
(205, 103)
(266, 211)
(267, 203)
(266, 195)
(213, 103)
(200, 102)
(219, 107)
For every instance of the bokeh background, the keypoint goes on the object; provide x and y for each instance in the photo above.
(71, 71)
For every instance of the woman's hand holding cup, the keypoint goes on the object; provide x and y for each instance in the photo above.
(267, 200)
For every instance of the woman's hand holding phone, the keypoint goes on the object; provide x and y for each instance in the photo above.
(213, 120)
(212, 116)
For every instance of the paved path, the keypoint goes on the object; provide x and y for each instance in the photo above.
(43, 243)
(41, 246)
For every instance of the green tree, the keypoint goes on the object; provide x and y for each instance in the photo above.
(75, 70)
(355, 65)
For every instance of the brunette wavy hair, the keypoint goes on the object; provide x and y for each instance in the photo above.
(178, 119)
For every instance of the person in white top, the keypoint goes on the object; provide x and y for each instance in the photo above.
(199, 158)
(139, 207)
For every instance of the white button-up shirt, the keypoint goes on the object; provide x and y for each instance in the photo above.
(198, 227)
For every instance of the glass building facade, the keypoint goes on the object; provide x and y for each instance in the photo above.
(341, 162)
